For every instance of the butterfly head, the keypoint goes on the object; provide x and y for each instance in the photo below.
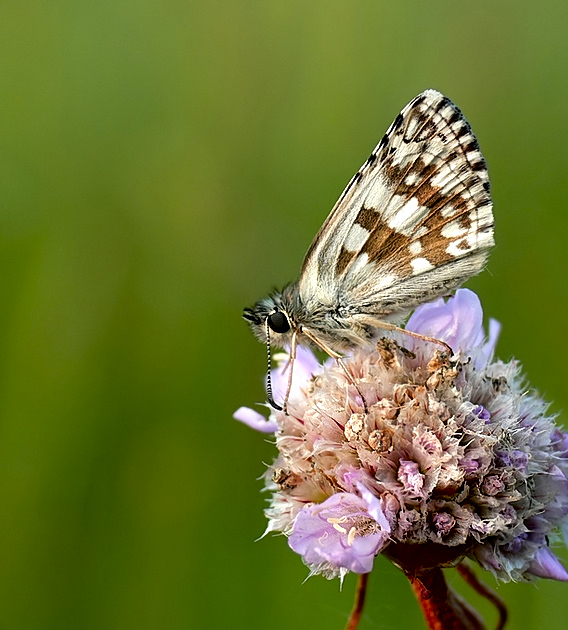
(271, 322)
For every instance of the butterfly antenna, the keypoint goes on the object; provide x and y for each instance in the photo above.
(271, 401)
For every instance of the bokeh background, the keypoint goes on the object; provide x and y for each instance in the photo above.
(163, 164)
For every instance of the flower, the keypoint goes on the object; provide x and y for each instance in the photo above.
(448, 457)
(345, 531)
(458, 322)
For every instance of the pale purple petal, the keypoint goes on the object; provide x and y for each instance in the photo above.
(410, 476)
(485, 353)
(443, 523)
(458, 321)
(546, 565)
(560, 442)
(354, 479)
(340, 531)
(374, 507)
(487, 558)
(449, 320)
(255, 420)
(351, 477)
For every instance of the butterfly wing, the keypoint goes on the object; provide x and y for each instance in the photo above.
(413, 223)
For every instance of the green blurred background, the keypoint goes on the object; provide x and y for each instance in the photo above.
(163, 164)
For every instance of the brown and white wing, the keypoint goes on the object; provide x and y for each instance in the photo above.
(413, 223)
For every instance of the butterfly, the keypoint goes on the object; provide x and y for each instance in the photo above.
(412, 225)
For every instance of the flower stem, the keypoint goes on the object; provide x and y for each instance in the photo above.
(443, 609)
(359, 603)
(469, 576)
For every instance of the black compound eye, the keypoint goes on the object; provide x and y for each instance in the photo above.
(278, 322)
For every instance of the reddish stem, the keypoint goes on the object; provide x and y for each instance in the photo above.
(359, 603)
(469, 576)
(443, 609)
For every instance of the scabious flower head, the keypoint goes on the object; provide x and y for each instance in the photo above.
(451, 458)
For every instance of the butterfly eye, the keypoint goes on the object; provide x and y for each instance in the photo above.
(278, 322)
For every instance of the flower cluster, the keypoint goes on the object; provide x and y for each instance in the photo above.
(446, 457)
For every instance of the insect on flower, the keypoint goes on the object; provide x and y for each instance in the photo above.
(412, 225)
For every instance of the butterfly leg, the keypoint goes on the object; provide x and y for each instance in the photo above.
(352, 381)
(339, 358)
(290, 366)
(410, 333)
